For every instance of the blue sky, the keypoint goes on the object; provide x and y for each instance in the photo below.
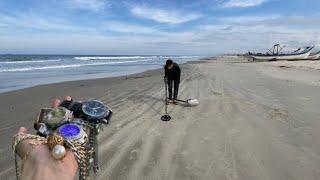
(195, 27)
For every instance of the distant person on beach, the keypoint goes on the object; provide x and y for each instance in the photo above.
(172, 78)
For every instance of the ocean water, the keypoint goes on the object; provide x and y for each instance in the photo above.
(22, 71)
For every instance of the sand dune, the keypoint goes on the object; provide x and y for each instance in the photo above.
(249, 124)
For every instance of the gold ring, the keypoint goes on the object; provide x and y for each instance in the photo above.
(55, 139)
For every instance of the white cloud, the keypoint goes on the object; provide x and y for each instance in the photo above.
(3, 25)
(31, 21)
(243, 3)
(273, 21)
(34, 22)
(129, 28)
(230, 34)
(206, 39)
(246, 19)
(92, 5)
(164, 16)
(256, 33)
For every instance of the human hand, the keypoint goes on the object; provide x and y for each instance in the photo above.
(40, 164)
(165, 79)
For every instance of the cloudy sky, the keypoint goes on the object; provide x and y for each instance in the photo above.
(190, 27)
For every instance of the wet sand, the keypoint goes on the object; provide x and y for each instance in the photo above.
(254, 121)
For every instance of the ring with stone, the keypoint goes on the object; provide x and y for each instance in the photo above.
(55, 139)
(55, 142)
(59, 152)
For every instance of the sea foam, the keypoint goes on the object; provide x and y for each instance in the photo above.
(67, 66)
(109, 57)
(22, 62)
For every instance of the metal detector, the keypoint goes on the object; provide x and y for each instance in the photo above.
(166, 117)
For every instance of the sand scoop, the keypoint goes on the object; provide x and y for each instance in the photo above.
(190, 102)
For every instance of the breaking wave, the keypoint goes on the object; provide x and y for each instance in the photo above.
(66, 66)
(109, 57)
(22, 62)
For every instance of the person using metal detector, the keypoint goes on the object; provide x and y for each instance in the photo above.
(172, 79)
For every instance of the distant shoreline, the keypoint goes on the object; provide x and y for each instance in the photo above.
(20, 72)
(85, 79)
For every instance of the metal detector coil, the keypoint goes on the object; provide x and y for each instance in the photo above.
(166, 117)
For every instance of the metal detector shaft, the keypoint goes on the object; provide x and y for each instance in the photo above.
(166, 86)
(166, 117)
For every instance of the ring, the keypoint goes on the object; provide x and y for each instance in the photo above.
(55, 143)
(55, 139)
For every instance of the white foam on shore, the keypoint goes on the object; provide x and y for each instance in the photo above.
(66, 66)
(38, 68)
(108, 57)
(22, 62)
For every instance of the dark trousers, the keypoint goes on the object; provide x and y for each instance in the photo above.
(175, 83)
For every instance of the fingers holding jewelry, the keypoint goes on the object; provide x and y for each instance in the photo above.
(55, 103)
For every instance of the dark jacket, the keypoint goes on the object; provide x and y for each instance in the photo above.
(174, 73)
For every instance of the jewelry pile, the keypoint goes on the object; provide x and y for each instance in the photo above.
(74, 126)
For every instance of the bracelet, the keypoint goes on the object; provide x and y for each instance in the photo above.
(21, 137)
(25, 158)
(35, 140)
(82, 154)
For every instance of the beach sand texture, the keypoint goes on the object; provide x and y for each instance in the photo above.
(253, 122)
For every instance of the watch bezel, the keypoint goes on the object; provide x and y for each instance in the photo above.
(79, 137)
(90, 116)
(48, 117)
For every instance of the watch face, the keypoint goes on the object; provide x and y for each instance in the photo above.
(94, 109)
(70, 131)
(55, 116)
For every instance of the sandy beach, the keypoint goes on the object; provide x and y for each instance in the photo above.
(255, 121)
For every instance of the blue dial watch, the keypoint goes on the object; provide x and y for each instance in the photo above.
(94, 109)
(73, 133)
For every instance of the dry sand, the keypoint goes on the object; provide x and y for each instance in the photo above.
(296, 64)
(252, 123)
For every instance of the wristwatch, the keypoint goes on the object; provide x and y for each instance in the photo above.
(95, 111)
(56, 116)
(77, 140)
(73, 133)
